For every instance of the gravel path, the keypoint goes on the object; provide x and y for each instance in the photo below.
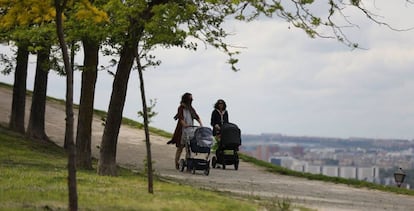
(249, 179)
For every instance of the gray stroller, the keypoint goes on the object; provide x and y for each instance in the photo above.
(199, 143)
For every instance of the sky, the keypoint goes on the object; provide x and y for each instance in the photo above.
(288, 83)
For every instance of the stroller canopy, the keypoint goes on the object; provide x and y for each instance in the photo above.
(203, 137)
(230, 135)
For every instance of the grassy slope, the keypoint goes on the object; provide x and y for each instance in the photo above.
(33, 176)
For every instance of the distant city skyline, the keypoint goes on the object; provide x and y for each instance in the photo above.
(364, 159)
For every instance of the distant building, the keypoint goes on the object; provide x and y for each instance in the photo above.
(313, 169)
(348, 172)
(286, 162)
(370, 174)
(331, 171)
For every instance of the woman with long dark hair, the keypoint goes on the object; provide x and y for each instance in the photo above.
(185, 116)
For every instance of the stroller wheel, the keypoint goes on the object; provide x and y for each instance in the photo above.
(194, 169)
(182, 165)
(214, 162)
(206, 171)
(224, 166)
(236, 165)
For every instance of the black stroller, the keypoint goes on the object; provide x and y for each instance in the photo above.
(226, 153)
(200, 142)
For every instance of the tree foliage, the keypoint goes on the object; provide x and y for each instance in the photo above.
(24, 13)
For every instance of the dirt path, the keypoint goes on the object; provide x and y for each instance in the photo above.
(249, 179)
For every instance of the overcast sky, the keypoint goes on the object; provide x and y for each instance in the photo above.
(288, 83)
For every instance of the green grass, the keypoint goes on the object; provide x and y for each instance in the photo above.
(352, 182)
(33, 176)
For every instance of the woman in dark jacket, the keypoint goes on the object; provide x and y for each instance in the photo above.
(219, 116)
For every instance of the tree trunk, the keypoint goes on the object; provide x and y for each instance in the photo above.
(72, 61)
(146, 126)
(71, 149)
(19, 90)
(107, 159)
(36, 128)
(84, 130)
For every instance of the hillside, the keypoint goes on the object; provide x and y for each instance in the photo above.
(249, 179)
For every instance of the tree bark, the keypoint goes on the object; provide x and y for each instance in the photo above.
(36, 127)
(107, 158)
(69, 136)
(19, 90)
(85, 115)
(146, 125)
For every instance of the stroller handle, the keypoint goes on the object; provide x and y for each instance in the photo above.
(192, 126)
